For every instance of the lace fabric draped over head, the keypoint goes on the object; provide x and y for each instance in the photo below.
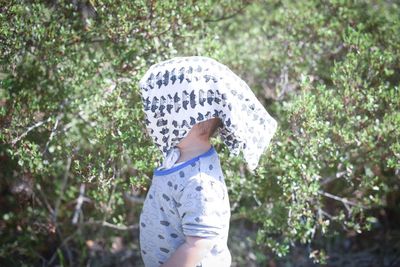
(182, 91)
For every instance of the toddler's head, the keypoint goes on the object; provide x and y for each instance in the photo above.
(193, 96)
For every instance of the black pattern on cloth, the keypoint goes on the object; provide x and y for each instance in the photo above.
(182, 91)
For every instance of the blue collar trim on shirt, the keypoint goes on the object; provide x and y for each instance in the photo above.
(173, 169)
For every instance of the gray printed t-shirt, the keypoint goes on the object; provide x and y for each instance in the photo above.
(189, 199)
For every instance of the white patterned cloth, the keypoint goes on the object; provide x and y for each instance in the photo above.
(183, 91)
(171, 159)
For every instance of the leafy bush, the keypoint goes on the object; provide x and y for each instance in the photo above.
(75, 160)
(334, 67)
(74, 154)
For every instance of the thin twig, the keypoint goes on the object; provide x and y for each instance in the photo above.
(325, 213)
(63, 186)
(79, 202)
(133, 199)
(53, 131)
(113, 226)
(227, 16)
(36, 125)
(113, 187)
(46, 202)
(343, 200)
(56, 207)
(61, 245)
(331, 178)
(120, 227)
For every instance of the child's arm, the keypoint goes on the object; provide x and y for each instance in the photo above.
(190, 253)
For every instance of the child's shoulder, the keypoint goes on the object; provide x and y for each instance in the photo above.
(208, 170)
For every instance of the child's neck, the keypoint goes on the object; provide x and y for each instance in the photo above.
(190, 149)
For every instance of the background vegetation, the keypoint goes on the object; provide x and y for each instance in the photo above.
(75, 161)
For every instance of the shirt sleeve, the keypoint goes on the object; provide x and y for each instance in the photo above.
(203, 207)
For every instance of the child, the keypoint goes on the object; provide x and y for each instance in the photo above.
(185, 217)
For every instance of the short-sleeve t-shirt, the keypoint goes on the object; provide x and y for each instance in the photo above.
(189, 199)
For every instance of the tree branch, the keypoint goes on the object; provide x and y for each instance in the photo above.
(113, 226)
(79, 202)
(227, 16)
(53, 132)
(63, 186)
(343, 200)
(332, 178)
(36, 125)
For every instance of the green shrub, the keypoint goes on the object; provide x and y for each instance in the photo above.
(332, 68)
(71, 120)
